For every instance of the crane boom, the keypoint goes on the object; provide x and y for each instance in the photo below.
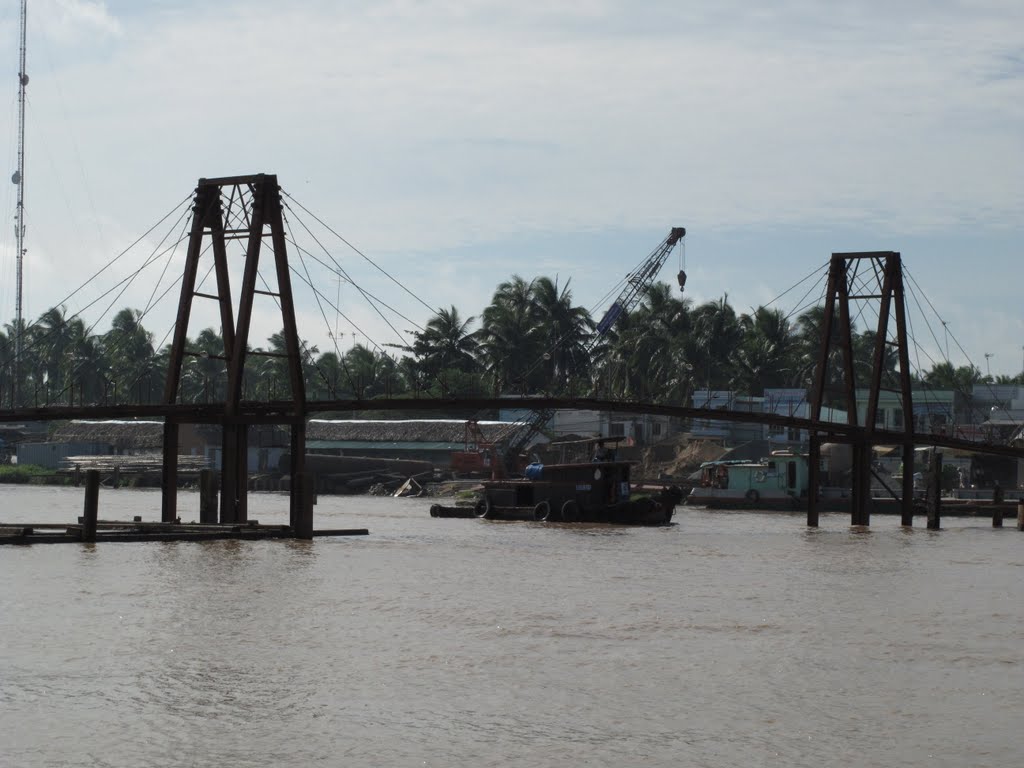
(637, 284)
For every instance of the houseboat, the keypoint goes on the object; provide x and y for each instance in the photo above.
(776, 482)
(592, 492)
(780, 482)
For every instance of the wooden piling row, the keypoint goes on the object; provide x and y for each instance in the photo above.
(91, 529)
(207, 496)
(92, 505)
(934, 492)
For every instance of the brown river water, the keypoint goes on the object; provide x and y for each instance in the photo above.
(728, 639)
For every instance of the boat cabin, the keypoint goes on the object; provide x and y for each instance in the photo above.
(583, 486)
(783, 474)
(587, 449)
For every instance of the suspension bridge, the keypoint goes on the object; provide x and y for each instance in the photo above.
(236, 232)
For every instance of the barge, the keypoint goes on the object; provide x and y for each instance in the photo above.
(593, 492)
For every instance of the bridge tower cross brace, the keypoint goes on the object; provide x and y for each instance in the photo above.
(237, 208)
(874, 275)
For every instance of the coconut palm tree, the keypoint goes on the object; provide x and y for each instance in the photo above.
(331, 380)
(717, 335)
(372, 372)
(88, 372)
(961, 379)
(810, 331)
(565, 332)
(51, 336)
(645, 354)
(864, 344)
(510, 340)
(267, 375)
(766, 354)
(204, 376)
(24, 380)
(129, 348)
(445, 343)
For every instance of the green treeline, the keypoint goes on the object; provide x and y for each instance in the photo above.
(531, 338)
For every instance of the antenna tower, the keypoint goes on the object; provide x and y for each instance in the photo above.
(19, 226)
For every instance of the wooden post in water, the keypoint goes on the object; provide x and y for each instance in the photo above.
(169, 476)
(813, 480)
(934, 492)
(1020, 514)
(207, 497)
(92, 505)
(907, 492)
(303, 498)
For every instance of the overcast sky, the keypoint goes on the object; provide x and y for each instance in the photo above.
(457, 142)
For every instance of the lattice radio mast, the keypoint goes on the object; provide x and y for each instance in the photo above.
(19, 180)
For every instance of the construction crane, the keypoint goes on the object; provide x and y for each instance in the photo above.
(504, 456)
(637, 284)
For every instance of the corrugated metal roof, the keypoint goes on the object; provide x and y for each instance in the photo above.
(380, 445)
(399, 431)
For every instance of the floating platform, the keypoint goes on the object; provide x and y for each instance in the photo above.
(110, 531)
(879, 506)
(440, 510)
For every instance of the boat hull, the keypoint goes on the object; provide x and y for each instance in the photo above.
(595, 492)
(643, 511)
(879, 506)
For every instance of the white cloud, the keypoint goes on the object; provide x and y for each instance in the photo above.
(484, 113)
(67, 21)
(420, 127)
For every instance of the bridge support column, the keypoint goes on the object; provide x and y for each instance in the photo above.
(813, 480)
(934, 492)
(234, 474)
(169, 478)
(860, 496)
(297, 505)
(303, 497)
(907, 501)
(92, 505)
(207, 496)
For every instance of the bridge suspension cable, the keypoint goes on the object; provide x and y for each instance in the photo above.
(363, 255)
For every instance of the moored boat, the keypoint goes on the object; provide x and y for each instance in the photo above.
(780, 482)
(776, 482)
(594, 492)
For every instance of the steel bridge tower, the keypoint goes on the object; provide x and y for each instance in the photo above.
(249, 209)
(867, 277)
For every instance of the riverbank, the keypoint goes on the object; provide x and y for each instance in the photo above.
(30, 474)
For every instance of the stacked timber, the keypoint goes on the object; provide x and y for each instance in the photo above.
(131, 464)
(139, 464)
